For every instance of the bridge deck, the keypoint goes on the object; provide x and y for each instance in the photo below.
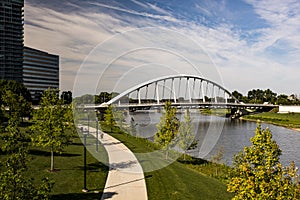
(189, 105)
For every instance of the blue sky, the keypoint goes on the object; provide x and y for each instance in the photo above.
(251, 43)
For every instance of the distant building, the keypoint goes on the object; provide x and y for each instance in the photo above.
(11, 39)
(289, 109)
(40, 71)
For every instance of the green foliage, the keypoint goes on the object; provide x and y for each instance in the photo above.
(258, 173)
(103, 97)
(261, 96)
(218, 157)
(186, 133)
(118, 116)
(109, 118)
(84, 99)
(179, 180)
(50, 123)
(66, 97)
(18, 106)
(13, 183)
(15, 87)
(167, 128)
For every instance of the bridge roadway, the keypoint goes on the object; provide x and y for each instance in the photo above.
(145, 106)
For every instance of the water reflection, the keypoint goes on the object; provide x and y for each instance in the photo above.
(230, 135)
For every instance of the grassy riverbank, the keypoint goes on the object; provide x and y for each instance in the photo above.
(179, 180)
(289, 120)
(183, 179)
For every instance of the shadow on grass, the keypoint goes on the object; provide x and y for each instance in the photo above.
(95, 167)
(77, 144)
(77, 196)
(85, 196)
(193, 161)
(47, 153)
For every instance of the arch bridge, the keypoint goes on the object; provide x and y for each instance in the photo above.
(183, 91)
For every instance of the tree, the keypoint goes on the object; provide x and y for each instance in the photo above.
(109, 118)
(119, 118)
(66, 97)
(18, 106)
(237, 95)
(167, 128)
(15, 87)
(282, 99)
(186, 133)
(102, 97)
(50, 123)
(258, 174)
(13, 182)
(256, 96)
(270, 96)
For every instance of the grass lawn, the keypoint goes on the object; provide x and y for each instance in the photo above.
(179, 180)
(176, 181)
(69, 175)
(69, 178)
(290, 120)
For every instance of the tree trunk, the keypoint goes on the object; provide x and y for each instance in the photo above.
(167, 152)
(52, 160)
(184, 155)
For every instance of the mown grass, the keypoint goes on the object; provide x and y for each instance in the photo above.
(217, 111)
(179, 180)
(289, 120)
(68, 176)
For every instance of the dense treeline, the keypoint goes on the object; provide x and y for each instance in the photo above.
(262, 96)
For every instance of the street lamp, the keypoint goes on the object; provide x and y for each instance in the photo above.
(85, 134)
(97, 141)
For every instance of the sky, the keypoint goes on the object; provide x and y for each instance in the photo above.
(116, 44)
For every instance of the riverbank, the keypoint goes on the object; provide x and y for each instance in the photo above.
(192, 178)
(287, 120)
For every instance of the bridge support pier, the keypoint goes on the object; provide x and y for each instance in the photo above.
(237, 113)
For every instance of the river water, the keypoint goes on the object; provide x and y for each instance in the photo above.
(214, 133)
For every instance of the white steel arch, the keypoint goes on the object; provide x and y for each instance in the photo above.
(203, 83)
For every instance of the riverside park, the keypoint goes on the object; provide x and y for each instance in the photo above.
(107, 157)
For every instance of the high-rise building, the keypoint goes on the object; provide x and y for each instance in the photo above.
(40, 71)
(11, 39)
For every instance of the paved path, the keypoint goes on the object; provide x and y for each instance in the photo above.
(125, 178)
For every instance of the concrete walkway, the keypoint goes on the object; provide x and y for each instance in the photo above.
(125, 178)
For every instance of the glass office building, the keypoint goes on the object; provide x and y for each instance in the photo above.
(40, 71)
(11, 39)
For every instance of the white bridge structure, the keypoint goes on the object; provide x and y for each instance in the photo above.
(183, 91)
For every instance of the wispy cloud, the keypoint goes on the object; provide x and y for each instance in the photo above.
(142, 14)
(269, 60)
(283, 18)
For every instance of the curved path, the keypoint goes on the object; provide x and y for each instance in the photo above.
(125, 178)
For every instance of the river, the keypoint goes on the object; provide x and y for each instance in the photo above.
(215, 133)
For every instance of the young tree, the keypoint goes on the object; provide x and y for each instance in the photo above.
(109, 118)
(119, 118)
(167, 129)
(186, 133)
(258, 173)
(50, 123)
(13, 182)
